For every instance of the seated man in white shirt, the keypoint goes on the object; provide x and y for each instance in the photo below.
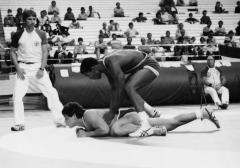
(220, 30)
(91, 12)
(214, 82)
(131, 32)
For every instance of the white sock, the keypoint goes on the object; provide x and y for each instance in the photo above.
(199, 114)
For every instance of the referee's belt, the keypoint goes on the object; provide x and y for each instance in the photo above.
(26, 62)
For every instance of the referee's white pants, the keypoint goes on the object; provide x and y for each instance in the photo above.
(45, 86)
(223, 91)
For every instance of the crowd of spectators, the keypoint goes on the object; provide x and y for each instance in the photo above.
(167, 14)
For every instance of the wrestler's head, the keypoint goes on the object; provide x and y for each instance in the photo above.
(89, 68)
(72, 112)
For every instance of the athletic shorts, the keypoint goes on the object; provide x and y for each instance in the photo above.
(147, 63)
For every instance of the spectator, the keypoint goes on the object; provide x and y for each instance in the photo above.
(218, 8)
(220, 31)
(55, 18)
(9, 19)
(167, 40)
(104, 31)
(131, 32)
(211, 39)
(83, 15)
(192, 48)
(19, 19)
(201, 50)
(180, 30)
(140, 18)
(149, 40)
(211, 47)
(100, 47)
(129, 44)
(158, 19)
(191, 19)
(113, 26)
(80, 48)
(229, 39)
(166, 16)
(164, 3)
(75, 25)
(57, 54)
(66, 39)
(46, 27)
(51, 53)
(65, 55)
(180, 3)
(204, 18)
(238, 29)
(114, 43)
(118, 11)
(207, 28)
(60, 29)
(237, 8)
(91, 12)
(143, 47)
(53, 7)
(193, 3)
(174, 18)
(180, 49)
(69, 15)
(214, 81)
(43, 18)
(54, 39)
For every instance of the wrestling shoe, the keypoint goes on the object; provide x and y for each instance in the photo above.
(211, 117)
(223, 106)
(18, 128)
(156, 114)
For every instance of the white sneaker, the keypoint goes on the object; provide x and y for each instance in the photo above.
(156, 114)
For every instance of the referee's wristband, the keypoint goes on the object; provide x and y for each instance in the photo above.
(42, 69)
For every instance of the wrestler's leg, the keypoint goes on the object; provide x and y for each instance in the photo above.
(183, 119)
(129, 123)
(138, 80)
(173, 123)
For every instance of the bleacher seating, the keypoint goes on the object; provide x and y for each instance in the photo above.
(92, 26)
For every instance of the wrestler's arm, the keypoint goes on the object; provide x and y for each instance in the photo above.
(117, 82)
(98, 125)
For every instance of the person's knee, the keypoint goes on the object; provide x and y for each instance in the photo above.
(211, 91)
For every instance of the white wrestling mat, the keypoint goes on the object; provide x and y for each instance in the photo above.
(197, 145)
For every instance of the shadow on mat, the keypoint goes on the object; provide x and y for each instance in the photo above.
(193, 132)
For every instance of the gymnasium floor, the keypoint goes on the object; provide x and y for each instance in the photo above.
(198, 144)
